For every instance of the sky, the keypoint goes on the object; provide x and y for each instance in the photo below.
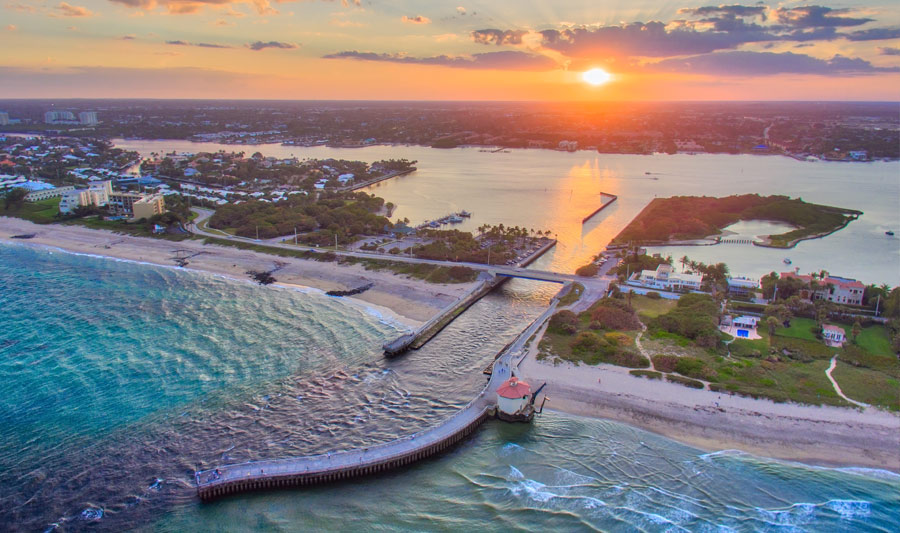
(506, 50)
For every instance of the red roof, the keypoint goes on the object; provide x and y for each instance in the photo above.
(513, 388)
(836, 329)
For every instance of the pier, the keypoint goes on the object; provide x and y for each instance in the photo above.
(330, 467)
(611, 198)
(383, 177)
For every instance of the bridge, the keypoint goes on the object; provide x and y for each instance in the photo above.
(329, 467)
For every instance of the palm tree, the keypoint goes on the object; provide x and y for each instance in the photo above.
(857, 329)
(684, 260)
(772, 323)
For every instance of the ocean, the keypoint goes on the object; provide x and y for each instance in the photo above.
(119, 379)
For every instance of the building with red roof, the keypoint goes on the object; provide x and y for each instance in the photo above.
(832, 288)
(512, 396)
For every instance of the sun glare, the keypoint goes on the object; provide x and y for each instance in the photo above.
(596, 76)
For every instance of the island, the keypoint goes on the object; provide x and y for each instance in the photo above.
(681, 218)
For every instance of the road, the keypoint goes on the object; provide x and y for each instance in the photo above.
(502, 270)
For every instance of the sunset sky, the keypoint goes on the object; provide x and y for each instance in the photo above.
(441, 50)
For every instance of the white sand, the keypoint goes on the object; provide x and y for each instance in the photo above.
(410, 301)
(714, 421)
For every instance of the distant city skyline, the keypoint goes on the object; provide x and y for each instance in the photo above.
(403, 50)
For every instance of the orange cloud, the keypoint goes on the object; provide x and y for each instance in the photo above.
(186, 7)
(68, 10)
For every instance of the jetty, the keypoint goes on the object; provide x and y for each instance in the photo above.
(488, 281)
(338, 466)
(373, 181)
(610, 198)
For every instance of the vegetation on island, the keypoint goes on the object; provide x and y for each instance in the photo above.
(695, 217)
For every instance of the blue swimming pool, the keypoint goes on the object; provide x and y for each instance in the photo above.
(743, 333)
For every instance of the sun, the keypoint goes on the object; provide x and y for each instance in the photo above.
(596, 76)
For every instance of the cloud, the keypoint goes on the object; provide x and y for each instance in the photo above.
(22, 8)
(506, 60)
(199, 45)
(875, 34)
(260, 45)
(129, 37)
(816, 17)
(461, 10)
(888, 51)
(186, 7)
(744, 63)
(651, 39)
(11, 27)
(498, 37)
(223, 23)
(732, 10)
(418, 19)
(68, 10)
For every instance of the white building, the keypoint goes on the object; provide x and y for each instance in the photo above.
(512, 396)
(742, 286)
(833, 335)
(97, 195)
(59, 117)
(666, 279)
(88, 118)
(37, 196)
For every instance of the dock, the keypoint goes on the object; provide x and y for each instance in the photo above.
(338, 466)
(383, 177)
(610, 199)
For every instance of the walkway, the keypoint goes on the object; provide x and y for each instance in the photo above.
(279, 473)
(837, 387)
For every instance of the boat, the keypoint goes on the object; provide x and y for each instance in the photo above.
(453, 219)
(889, 233)
(787, 261)
(464, 214)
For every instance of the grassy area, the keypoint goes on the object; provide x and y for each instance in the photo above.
(801, 328)
(43, 212)
(863, 385)
(573, 295)
(123, 226)
(692, 383)
(875, 340)
(647, 308)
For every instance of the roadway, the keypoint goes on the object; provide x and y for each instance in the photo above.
(500, 270)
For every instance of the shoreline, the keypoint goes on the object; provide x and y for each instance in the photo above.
(812, 435)
(403, 301)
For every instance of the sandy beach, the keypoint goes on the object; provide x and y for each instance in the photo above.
(828, 436)
(406, 300)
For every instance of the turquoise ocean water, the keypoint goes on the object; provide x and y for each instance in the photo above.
(118, 379)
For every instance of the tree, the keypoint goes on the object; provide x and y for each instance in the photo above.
(684, 260)
(857, 329)
(15, 197)
(772, 322)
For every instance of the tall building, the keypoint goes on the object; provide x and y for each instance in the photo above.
(97, 195)
(59, 117)
(88, 118)
(4, 118)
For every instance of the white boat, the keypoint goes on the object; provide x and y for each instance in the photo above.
(787, 261)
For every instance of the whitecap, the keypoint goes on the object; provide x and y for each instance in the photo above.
(849, 509)
(92, 514)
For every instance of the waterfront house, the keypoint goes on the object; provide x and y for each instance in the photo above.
(666, 279)
(833, 335)
(833, 288)
(742, 287)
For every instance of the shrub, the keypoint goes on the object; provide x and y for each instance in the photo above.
(617, 338)
(588, 341)
(653, 295)
(595, 325)
(461, 273)
(615, 318)
(693, 383)
(693, 367)
(589, 270)
(563, 322)
(665, 363)
(649, 374)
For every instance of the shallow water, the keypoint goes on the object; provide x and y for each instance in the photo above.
(118, 380)
(550, 190)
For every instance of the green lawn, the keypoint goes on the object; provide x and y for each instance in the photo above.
(43, 212)
(801, 328)
(875, 340)
(650, 308)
